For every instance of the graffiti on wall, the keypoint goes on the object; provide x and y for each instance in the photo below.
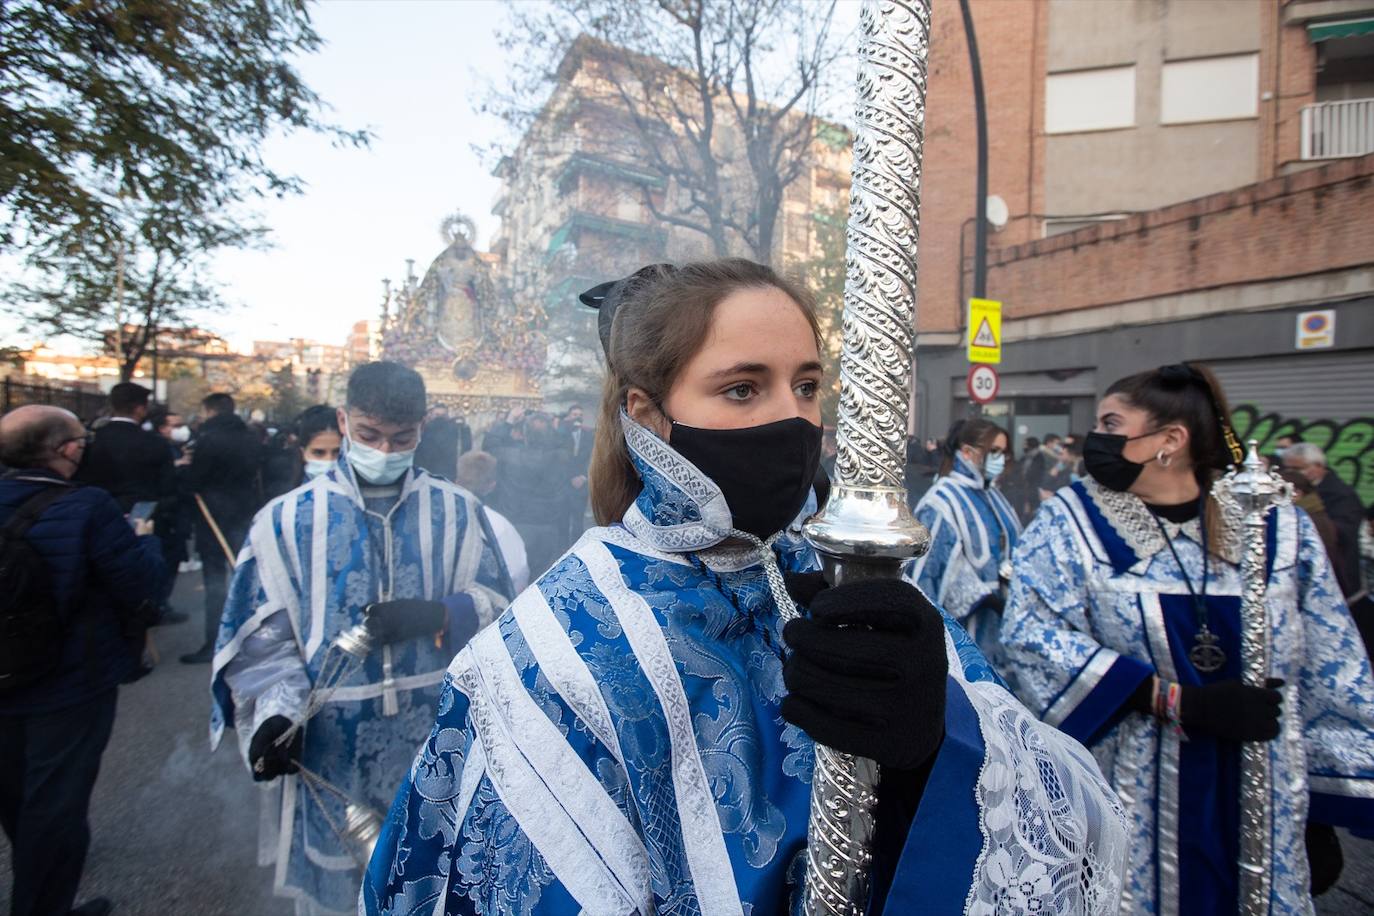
(1349, 444)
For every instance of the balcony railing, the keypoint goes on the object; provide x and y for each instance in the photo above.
(1333, 130)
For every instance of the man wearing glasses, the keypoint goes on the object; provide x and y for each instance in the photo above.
(78, 588)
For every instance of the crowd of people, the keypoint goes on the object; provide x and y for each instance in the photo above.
(621, 713)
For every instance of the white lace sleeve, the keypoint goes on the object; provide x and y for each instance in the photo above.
(1054, 831)
(267, 678)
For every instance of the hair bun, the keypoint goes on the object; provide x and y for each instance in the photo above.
(1179, 374)
(952, 437)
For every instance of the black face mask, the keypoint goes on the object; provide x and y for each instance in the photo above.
(1103, 459)
(764, 471)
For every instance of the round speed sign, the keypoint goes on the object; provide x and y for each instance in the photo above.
(982, 383)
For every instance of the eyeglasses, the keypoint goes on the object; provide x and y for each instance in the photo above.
(85, 439)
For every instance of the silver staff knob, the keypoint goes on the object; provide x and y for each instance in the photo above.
(362, 828)
(356, 641)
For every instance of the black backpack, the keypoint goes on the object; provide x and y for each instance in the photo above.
(31, 629)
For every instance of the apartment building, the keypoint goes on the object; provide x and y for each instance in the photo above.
(1182, 180)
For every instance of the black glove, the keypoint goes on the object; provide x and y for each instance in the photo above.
(994, 601)
(270, 759)
(804, 586)
(406, 618)
(866, 673)
(1232, 711)
(1324, 857)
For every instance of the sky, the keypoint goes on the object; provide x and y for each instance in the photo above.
(410, 72)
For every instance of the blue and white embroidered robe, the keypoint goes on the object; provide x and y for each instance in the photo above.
(314, 558)
(1098, 605)
(973, 530)
(614, 745)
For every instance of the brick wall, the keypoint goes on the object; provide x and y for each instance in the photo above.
(1304, 223)
(1011, 46)
(1013, 39)
(1287, 82)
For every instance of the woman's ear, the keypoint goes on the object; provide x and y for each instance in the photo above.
(642, 410)
(1177, 441)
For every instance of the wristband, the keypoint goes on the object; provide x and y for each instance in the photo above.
(1168, 703)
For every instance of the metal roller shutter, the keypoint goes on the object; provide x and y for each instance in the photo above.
(1330, 386)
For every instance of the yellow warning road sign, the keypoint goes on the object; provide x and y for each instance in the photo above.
(984, 331)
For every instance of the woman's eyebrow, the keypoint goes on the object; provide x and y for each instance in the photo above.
(741, 369)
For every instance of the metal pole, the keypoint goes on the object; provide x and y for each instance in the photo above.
(1249, 492)
(980, 116)
(866, 529)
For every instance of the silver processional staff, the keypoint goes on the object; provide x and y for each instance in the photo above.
(866, 528)
(1246, 494)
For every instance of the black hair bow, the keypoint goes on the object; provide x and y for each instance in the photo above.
(606, 298)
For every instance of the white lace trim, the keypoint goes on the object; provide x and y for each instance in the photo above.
(563, 668)
(1136, 525)
(716, 521)
(1054, 834)
(567, 776)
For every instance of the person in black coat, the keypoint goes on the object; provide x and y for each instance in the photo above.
(125, 460)
(105, 578)
(530, 488)
(1342, 507)
(135, 465)
(575, 441)
(442, 441)
(224, 474)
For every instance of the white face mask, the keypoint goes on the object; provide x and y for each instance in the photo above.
(994, 465)
(314, 467)
(376, 466)
(181, 434)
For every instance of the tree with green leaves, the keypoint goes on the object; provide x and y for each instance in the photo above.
(121, 292)
(130, 147)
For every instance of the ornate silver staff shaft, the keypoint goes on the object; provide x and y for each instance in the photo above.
(866, 528)
(1251, 490)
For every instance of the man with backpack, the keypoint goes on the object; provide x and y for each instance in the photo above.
(78, 588)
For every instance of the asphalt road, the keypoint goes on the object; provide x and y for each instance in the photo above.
(175, 827)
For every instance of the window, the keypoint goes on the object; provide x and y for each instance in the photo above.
(1209, 89)
(1090, 100)
(1059, 225)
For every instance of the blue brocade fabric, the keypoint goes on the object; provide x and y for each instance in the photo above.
(973, 531)
(314, 559)
(1098, 605)
(614, 745)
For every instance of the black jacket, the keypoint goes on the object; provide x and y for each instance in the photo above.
(105, 581)
(225, 471)
(440, 445)
(131, 464)
(1343, 508)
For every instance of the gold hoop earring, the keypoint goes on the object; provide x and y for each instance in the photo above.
(1164, 458)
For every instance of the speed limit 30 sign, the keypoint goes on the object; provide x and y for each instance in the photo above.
(982, 383)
